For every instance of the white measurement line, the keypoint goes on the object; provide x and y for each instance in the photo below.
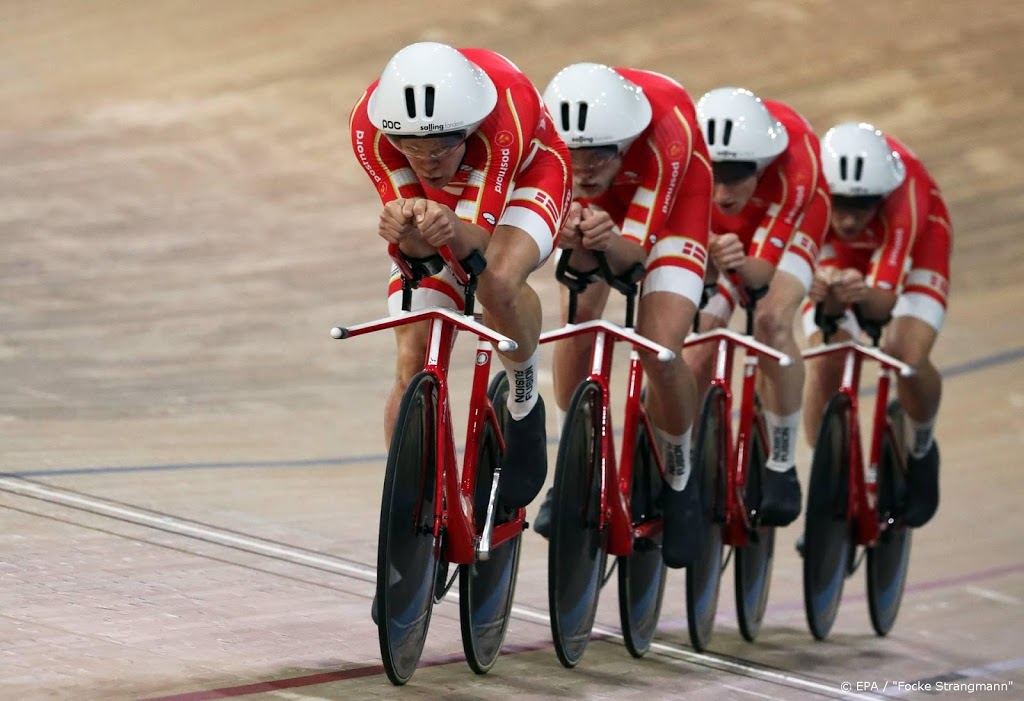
(721, 664)
(214, 535)
(992, 595)
(174, 525)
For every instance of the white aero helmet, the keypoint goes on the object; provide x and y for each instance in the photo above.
(858, 161)
(738, 127)
(429, 88)
(594, 105)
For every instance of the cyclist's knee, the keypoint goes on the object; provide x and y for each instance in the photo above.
(500, 287)
(906, 350)
(409, 361)
(773, 326)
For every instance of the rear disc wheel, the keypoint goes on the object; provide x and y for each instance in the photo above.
(753, 568)
(889, 559)
(642, 574)
(487, 586)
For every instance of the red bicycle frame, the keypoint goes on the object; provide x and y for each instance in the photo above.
(737, 527)
(462, 543)
(614, 512)
(862, 499)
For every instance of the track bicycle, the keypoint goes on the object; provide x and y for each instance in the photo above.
(852, 501)
(600, 507)
(432, 513)
(730, 473)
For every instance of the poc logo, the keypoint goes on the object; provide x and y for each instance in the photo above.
(388, 124)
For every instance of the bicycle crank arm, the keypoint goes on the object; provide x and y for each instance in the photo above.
(483, 550)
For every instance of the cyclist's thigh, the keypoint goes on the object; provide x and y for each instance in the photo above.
(538, 203)
(666, 317)
(925, 291)
(910, 339)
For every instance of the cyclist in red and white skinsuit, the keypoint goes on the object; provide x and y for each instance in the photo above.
(888, 253)
(770, 216)
(642, 188)
(461, 150)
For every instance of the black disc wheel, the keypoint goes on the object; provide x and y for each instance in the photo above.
(642, 574)
(889, 559)
(828, 547)
(703, 577)
(577, 549)
(486, 587)
(407, 550)
(753, 568)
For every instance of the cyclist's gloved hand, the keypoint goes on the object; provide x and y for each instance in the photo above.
(849, 287)
(395, 223)
(598, 229)
(727, 251)
(436, 222)
(570, 236)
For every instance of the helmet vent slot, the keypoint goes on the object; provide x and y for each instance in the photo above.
(582, 118)
(842, 167)
(711, 132)
(727, 132)
(410, 102)
(858, 169)
(565, 116)
(428, 107)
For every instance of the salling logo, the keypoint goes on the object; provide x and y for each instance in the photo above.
(361, 150)
(431, 127)
(582, 139)
(499, 183)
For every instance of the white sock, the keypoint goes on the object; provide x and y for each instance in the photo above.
(782, 434)
(919, 436)
(522, 390)
(675, 453)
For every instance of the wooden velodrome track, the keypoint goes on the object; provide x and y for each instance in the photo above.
(193, 467)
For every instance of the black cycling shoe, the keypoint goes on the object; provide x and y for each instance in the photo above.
(780, 497)
(525, 465)
(542, 523)
(922, 487)
(684, 529)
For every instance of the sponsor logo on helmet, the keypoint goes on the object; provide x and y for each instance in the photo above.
(499, 182)
(725, 153)
(504, 138)
(364, 160)
(582, 139)
(431, 127)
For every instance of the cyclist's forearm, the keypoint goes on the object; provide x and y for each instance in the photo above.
(623, 254)
(469, 237)
(878, 304)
